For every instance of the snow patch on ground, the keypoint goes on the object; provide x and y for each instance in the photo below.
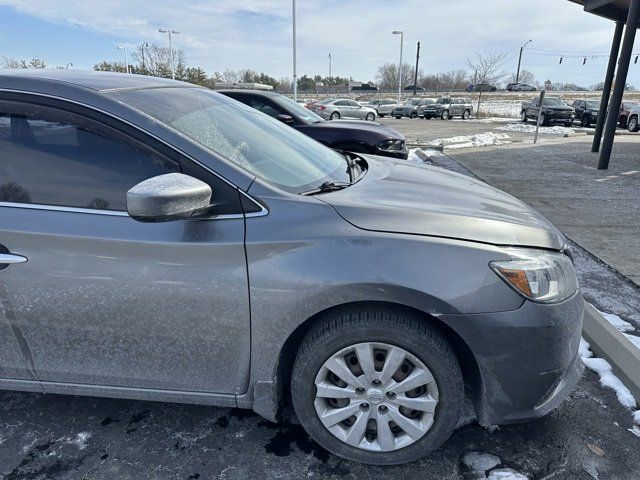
(501, 108)
(617, 322)
(530, 128)
(607, 378)
(80, 440)
(482, 466)
(506, 474)
(636, 417)
(480, 461)
(470, 141)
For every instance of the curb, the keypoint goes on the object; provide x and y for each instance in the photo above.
(608, 343)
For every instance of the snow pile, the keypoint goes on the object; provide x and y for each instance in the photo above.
(617, 322)
(501, 108)
(607, 378)
(530, 128)
(469, 141)
(477, 464)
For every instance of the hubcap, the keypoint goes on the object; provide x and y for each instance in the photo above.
(376, 396)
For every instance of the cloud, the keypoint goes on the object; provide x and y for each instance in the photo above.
(257, 33)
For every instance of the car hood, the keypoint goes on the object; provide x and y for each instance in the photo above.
(360, 125)
(416, 199)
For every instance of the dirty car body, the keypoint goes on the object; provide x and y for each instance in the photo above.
(211, 307)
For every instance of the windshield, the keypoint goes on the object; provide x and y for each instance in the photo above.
(554, 102)
(593, 105)
(303, 113)
(444, 101)
(261, 145)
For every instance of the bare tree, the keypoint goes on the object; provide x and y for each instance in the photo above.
(525, 77)
(6, 62)
(388, 75)
(487, 68)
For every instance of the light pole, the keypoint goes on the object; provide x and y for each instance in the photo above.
(170, 32)
(295, 76)
(126, 57)
(520, 60)
(401, 33)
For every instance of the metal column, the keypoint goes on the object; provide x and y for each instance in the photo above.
(608, 81)
(621, 79)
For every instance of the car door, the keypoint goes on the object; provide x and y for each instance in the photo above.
(457, 107)
(103, 299)
(356, 110)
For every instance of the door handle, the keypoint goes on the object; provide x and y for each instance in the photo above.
(9, 258)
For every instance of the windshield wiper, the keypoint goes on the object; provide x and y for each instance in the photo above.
(327, 187)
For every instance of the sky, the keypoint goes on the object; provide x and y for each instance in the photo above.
(234, 34)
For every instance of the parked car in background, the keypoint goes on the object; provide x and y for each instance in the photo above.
(510, 86)
(163, 242)
(633, 123)
(482, 87)
(625, 109)
(410, 88)
(586, 111)
(386, 107)
(346, 135)
(523, 87)
(554, 110)
(448, 107)
(336, 108)
(412, 108)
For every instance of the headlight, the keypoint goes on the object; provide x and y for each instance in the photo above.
(391, 145)
(539, 275)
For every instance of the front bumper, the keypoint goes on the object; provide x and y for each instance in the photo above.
(401, 154)
(527, 359)
(553, 117)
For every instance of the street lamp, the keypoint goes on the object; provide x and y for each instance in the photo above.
(170, 32)
(126, 57)
(295, 81)
(401, 33)
(520, 60)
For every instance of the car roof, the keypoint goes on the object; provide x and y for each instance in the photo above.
(89, 79)
(262, 93)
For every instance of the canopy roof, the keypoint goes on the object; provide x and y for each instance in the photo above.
(612, 9)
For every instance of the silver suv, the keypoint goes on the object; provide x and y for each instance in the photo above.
(448, 107)
(162, 241)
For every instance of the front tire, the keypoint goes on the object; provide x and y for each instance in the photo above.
(377, 386)
(445, 115)
(586, 121)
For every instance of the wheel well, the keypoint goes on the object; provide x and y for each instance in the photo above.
(466, 359)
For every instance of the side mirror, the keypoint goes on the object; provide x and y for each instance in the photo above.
(164, 198)
(288, 119)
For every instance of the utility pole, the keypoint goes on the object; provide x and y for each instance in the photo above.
(144, 67)
(401, 33)
(295, 76)
(170, 32)
(415, 78)
(520, 60)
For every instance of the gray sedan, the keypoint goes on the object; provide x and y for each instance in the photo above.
(334, 109)
(161, 241)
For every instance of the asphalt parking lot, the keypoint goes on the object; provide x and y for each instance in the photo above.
(64, 437)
